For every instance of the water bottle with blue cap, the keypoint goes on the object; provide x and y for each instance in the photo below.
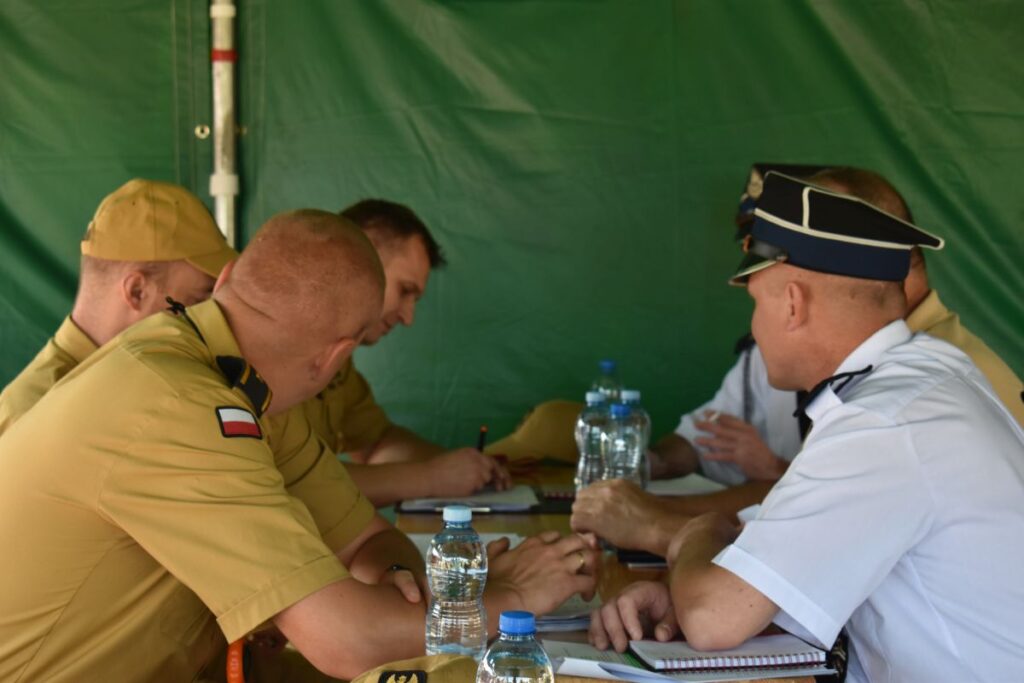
(623, 447)
(516, 656)
(456, 562)
(592, 419)
(608, 381)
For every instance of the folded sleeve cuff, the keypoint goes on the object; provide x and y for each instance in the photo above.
(351, 525)
(789, 599)
(260, 607)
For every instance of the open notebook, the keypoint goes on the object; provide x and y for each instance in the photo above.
(764, 651)
(749, 661)
(516, 499)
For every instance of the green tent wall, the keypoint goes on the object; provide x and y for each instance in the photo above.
(579, 161)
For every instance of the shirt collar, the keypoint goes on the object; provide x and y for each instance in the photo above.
(929, 313)
(213, 326)
(868, 353)
(70, 338)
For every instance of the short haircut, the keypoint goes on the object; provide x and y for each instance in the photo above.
(875, 190)
(388, 221)
(866, 185)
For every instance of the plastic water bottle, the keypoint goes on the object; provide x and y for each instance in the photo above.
(608, 381)
(456, 571)
(590, 423)
(516, 656)
(631, 397)
(623, 446)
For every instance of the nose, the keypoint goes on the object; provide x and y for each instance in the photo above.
(408, 313)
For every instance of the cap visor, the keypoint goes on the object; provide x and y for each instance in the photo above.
(751, 264)
(212, 264)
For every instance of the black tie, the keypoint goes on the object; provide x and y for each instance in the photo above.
(804, 398)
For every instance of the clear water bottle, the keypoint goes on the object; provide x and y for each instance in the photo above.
(456, 571)
(592, 420)
(623, 446)
(608, 381)
(631, 397)
(516, 656)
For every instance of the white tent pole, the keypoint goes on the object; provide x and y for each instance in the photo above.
(224, 180)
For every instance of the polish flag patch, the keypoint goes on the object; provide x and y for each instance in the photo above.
(238, 422)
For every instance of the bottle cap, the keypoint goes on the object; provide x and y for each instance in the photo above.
(607, 365)
(595, 397)
(630, 395)
(620, 410)
(457, 513)
(517, 623)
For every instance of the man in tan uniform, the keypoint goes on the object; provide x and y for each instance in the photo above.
(148, 240)
(617, 509)
(392, 463)
(141, 498)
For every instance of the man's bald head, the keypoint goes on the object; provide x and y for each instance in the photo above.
(806, 322)
(300, 297)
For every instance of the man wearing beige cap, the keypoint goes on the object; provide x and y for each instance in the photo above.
(148, 240)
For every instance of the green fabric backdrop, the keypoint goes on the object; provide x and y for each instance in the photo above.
(579, 161)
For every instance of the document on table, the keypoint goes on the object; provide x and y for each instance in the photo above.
(422, 541)
(516, 499)
(573, 615)
(580, 659)
(690, 485)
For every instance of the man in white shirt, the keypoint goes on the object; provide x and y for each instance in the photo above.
(897, 518)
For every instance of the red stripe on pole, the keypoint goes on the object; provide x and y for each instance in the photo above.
(223, 56)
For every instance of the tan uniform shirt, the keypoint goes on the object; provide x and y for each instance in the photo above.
(932, 317)
(130, 519)
(313, 477)
(68, 347)
(345, 414)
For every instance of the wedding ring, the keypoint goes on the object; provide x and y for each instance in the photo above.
(583, 560)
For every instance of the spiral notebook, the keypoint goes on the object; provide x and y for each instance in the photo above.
(766, 651)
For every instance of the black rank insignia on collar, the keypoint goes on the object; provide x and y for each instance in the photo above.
(240, 374)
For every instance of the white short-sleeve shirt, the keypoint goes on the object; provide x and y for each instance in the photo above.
(771, 414)
(902, 518)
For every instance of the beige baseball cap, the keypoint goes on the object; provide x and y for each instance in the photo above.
(150, 220)
(547, 431)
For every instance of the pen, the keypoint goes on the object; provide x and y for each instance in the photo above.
(481, 440)
(713, 417)
(471, 509)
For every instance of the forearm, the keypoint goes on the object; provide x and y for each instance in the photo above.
(727, 502)
(399, 444)
(383, 550)
(715, 608)
(391, 482)
(348, 627)
(673, 456)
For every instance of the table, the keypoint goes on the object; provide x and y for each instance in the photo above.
(612, 576)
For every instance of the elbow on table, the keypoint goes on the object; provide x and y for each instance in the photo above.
(342, 664)
(706, 627)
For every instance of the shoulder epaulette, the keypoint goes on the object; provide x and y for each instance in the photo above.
(240, 374)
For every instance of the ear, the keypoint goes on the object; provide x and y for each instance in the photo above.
(797, 299)
(327, 362)
(224, 273)
(134, 290)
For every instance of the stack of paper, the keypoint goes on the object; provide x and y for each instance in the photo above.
(690, 485)
(573, 615)
(516, 499)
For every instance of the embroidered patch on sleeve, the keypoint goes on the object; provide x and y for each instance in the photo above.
(412, 676)
(238, 422)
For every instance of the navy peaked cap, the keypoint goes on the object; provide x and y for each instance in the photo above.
(755, 186)
(811, 227)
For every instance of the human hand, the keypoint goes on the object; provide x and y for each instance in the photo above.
(543, 571)
(464, 471)
(412, 588)
(631, 614)
(733, 440)
(622, 513)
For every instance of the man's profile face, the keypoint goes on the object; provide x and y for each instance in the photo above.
(768, 323)
(406, 271)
